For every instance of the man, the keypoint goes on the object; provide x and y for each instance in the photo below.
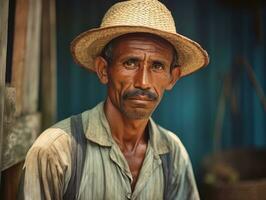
(124, 154)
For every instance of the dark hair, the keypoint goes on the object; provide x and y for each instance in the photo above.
(107, 54)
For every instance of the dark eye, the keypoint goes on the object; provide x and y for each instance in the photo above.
(157, 66)
(131, 63)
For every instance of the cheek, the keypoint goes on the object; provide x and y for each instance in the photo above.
(161, 82)
(118, 84)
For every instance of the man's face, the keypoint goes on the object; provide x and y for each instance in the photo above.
(139, 74)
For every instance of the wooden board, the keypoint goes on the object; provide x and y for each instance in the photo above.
(26, 55)
(10, 182)
(19, 49)
(48, 64)
(3, 50)
(18, 138)
(19, 133)
(32, 58)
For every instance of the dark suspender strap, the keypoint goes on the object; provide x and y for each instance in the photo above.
(20, 192)
(77, 157)
(167, 173)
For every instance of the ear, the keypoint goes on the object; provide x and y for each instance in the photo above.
(101, 69)
(175, 76)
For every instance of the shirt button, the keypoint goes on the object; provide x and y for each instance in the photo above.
(129, 196)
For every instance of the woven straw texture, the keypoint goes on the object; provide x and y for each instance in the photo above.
(147, 16)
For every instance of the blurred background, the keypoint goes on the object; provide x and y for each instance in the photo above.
(218, 109)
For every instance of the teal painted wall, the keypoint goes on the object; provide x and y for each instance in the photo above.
(190, 108)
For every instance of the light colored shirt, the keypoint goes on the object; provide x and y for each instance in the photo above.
(106, 174)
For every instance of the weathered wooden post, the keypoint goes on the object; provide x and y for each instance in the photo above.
(3, 50)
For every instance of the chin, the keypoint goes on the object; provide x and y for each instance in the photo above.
(136, 110)
(136, 113)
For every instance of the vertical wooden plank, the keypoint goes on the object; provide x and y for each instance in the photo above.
(32, 58)
(11, 178)
(48, 63)
(19, 48)
(3, 47)
(26, 55)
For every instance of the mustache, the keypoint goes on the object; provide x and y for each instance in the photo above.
(137, 92)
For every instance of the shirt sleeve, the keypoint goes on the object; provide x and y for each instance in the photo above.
(47, 167)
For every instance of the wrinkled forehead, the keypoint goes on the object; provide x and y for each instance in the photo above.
(142, 38)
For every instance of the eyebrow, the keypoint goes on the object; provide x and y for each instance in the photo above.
(162, 61)
(138, 58)
(126, 57)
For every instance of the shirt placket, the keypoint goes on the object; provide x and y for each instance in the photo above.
(150, 164)
(117, 157)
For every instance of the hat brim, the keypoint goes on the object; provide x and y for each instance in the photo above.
(88, 45)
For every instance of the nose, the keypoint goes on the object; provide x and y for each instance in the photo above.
(142, 78)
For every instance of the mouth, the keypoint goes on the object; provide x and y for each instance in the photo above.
(140, 98)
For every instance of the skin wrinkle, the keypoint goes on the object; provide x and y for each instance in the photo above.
(136, 79)
(141, 77)
(107, 52)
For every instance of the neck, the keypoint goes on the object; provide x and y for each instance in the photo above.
(128, 133)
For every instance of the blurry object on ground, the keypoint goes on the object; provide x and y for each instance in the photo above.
(238, 174)
(221, 172)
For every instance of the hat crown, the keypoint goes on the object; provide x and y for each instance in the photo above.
(147, 13)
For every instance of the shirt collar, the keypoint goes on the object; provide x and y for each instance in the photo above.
(98, 131)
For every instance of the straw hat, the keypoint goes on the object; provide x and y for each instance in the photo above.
(147, 16)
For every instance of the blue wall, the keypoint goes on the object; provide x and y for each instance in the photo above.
(190, 108)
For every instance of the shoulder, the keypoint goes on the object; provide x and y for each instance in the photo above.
(174, 143)
(174, 146)
(55, 136)
(55, 142)
(52, 145)
(65, 125)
